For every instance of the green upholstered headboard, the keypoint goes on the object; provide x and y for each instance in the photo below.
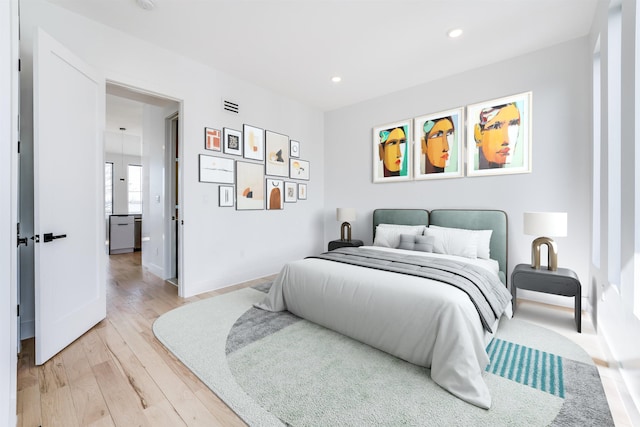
(479, 220)
(471, 219)
(399, 216)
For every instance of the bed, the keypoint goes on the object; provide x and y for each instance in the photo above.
(393, 296)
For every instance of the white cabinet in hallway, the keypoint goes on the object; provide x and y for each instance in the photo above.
(121, 234)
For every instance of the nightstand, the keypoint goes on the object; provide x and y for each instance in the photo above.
(335, 244)
(563, 282)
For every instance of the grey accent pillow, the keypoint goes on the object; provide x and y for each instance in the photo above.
(407, 241)
(424, 243)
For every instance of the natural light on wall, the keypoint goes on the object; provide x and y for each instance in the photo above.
(595, 183)
(614, 108)
(636, 258)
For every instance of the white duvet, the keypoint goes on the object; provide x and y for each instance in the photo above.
(432, 324)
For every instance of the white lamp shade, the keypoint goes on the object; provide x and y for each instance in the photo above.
(345, 214)
(548, 224)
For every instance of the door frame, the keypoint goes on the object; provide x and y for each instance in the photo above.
(173, 245)
(9, 120)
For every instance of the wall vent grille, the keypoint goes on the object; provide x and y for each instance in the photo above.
(230, 106)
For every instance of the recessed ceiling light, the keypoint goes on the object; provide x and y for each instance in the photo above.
(455, 33)
(336, 79)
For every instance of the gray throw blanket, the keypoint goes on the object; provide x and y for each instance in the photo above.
(485, 290)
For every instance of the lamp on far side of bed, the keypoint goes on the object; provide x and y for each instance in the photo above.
(345, 215)
(545, 224)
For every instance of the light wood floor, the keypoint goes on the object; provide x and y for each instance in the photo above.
(118, 374)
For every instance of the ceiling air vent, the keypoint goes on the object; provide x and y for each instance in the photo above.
(230, 106)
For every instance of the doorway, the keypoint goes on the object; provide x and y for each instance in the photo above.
(155, 121)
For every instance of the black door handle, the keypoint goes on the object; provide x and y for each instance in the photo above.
(49, 237)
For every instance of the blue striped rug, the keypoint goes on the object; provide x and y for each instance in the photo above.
(527, 366)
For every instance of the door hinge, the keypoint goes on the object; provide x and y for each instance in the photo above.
(18, 310)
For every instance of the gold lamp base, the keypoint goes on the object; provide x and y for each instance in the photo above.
(345, 226)
(552, 250)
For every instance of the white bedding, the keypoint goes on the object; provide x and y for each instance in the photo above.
(429, 324)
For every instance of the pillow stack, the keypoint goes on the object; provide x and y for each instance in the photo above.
(440, 240)
(388, 235)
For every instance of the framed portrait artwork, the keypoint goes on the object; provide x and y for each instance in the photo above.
(225, 196)
(216, 169)
(299, 169)
(232, 142)
(392, 152)
(302, 191)
(253, 142)
(499, 136)
(437, 145)
(277, 154)
(249, 186)
(294, 148)
(290, 192)
(275, 194)
(212, 139)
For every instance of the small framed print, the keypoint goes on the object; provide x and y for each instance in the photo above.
(212, 139)
(216, 169)
(290, 192)
(225, 196)
(253, 142)
(249, 186)
(302, 191)
(277, 154)
(294, 148)
(275, 194)
(299, 169)
(232, 142)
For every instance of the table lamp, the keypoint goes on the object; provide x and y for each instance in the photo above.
(345, 215)
(545, 224)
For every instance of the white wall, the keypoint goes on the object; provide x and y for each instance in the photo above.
(617, 324)
(8, 203)
(220, 245)
(559, 80)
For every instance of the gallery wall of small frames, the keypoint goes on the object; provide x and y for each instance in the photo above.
(266, 175)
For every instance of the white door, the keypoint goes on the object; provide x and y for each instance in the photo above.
(68, 118)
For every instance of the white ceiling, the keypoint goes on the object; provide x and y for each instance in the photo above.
(378, 47)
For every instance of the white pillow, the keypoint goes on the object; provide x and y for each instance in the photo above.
(388, 235)
(483, 243)
(453, 241)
